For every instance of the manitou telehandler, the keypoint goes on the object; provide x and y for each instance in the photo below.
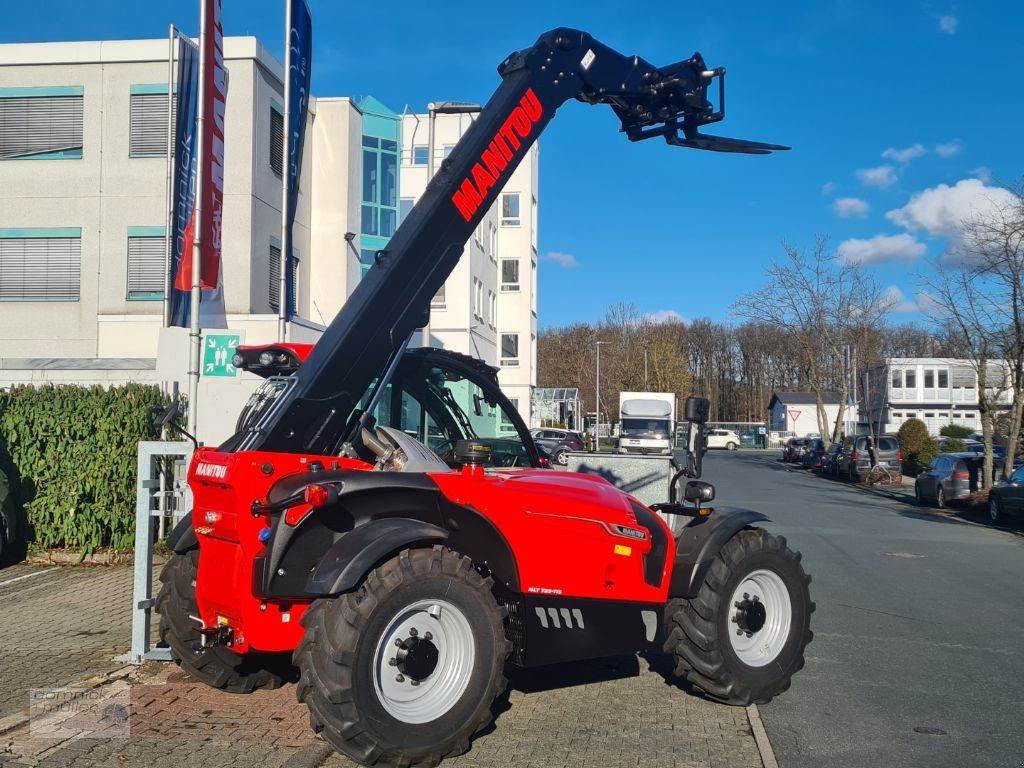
(380, 527)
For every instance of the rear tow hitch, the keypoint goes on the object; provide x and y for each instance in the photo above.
(211, 637)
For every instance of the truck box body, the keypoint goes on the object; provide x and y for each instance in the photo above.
(647, 422)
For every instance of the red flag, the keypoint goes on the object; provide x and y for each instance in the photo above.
(215, 81)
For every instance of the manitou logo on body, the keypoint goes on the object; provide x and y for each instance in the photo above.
(205, 469)
(499, 153)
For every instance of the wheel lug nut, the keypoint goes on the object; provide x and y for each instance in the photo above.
(398, 642)
(739, 631)
(428, 636)
(415, 682)
(399, 678)
(746, 596)
(413, 632)
(392, 662)
(737, 604)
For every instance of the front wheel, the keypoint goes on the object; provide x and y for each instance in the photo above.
(995, 509)
(404, 670)
(742, 638)
(562, 458)
(731, 446)
(940, 497)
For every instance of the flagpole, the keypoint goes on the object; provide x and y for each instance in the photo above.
(169, 184)
(195, 333)
(282, 288)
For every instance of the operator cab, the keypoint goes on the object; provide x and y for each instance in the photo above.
(434, 396)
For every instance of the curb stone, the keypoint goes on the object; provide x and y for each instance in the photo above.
(764, 745)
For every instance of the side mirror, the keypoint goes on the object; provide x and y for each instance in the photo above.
(698, 410)
(698, 492)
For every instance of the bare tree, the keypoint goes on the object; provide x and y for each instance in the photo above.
(824, 304)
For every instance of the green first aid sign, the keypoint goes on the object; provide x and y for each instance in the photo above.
(218, 349)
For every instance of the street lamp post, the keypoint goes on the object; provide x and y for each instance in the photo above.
(597, 399)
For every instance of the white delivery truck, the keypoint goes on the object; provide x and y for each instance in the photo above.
(647, 422)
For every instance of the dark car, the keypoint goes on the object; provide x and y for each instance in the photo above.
(813, 456)
(866, 451)
(951, 477)
(795, 448)
(1006, 498)
(558, 442)
(830, 461)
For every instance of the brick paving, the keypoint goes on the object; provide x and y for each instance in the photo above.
(68, 624)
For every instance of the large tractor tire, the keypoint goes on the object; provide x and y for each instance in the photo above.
(404, 670)
(216, 666)
(742, 638)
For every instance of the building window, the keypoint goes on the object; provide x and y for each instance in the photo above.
(419, 154)
(274, 271)
(929, 379)
(492, 307)
(510, 209)
(147, 252)
(147, 120)
(40, 264)
(910, 378)
(509, 275)
(380, 186)
(41, 123)
(897, 379)
(276, 140)
(478, 299)
(405, 208)
(510, 349)
(943, 378)
(440, 298)
(447, 150)
(492, 241)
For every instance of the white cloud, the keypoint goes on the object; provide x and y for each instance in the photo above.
(948, 23)
(881, 249)
(664, 316)
(564, 260)
(982, 173)
(905, 155)
(899, 303)
(949, 148)
(849, 207)
(940, 210)
(883, 176)
(828, 188)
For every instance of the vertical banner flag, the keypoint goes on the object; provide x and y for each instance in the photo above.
(300, 54)
(215, 96)
(184, 192)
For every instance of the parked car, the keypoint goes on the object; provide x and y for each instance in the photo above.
(559, 442)
(1006, 497)
(814, 454)
(795, 448)
(951, 477)
(856, 461)
(830, 461)
(723, 438)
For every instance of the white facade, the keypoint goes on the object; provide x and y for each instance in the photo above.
(488, 307)
(937, 391)
(796, 413)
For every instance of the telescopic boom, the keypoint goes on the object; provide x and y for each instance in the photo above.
(393, 299)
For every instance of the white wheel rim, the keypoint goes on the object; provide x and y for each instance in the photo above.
(993, 510)
(757, 646)
(450, 632)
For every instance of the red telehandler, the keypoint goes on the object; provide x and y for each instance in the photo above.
(381, 529)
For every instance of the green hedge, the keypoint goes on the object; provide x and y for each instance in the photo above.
(70, 453)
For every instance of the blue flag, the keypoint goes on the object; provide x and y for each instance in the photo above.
(300, 57)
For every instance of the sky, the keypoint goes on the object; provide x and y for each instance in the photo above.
(903, 116)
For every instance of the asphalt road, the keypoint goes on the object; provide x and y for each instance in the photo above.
(917, 656)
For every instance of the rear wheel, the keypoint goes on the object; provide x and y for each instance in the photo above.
(562, 457)
(917, 494)
(742, 638)
(405, 670)
(940, 497)
(216, 666)
(731, 446)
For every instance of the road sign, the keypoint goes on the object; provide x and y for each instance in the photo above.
(794, 414)
(762, 431)
(218, 349)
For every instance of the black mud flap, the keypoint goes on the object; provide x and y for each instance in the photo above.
(357, 552)
(700, 541)
(183, 537)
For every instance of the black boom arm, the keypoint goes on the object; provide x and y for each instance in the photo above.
(393, 299)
